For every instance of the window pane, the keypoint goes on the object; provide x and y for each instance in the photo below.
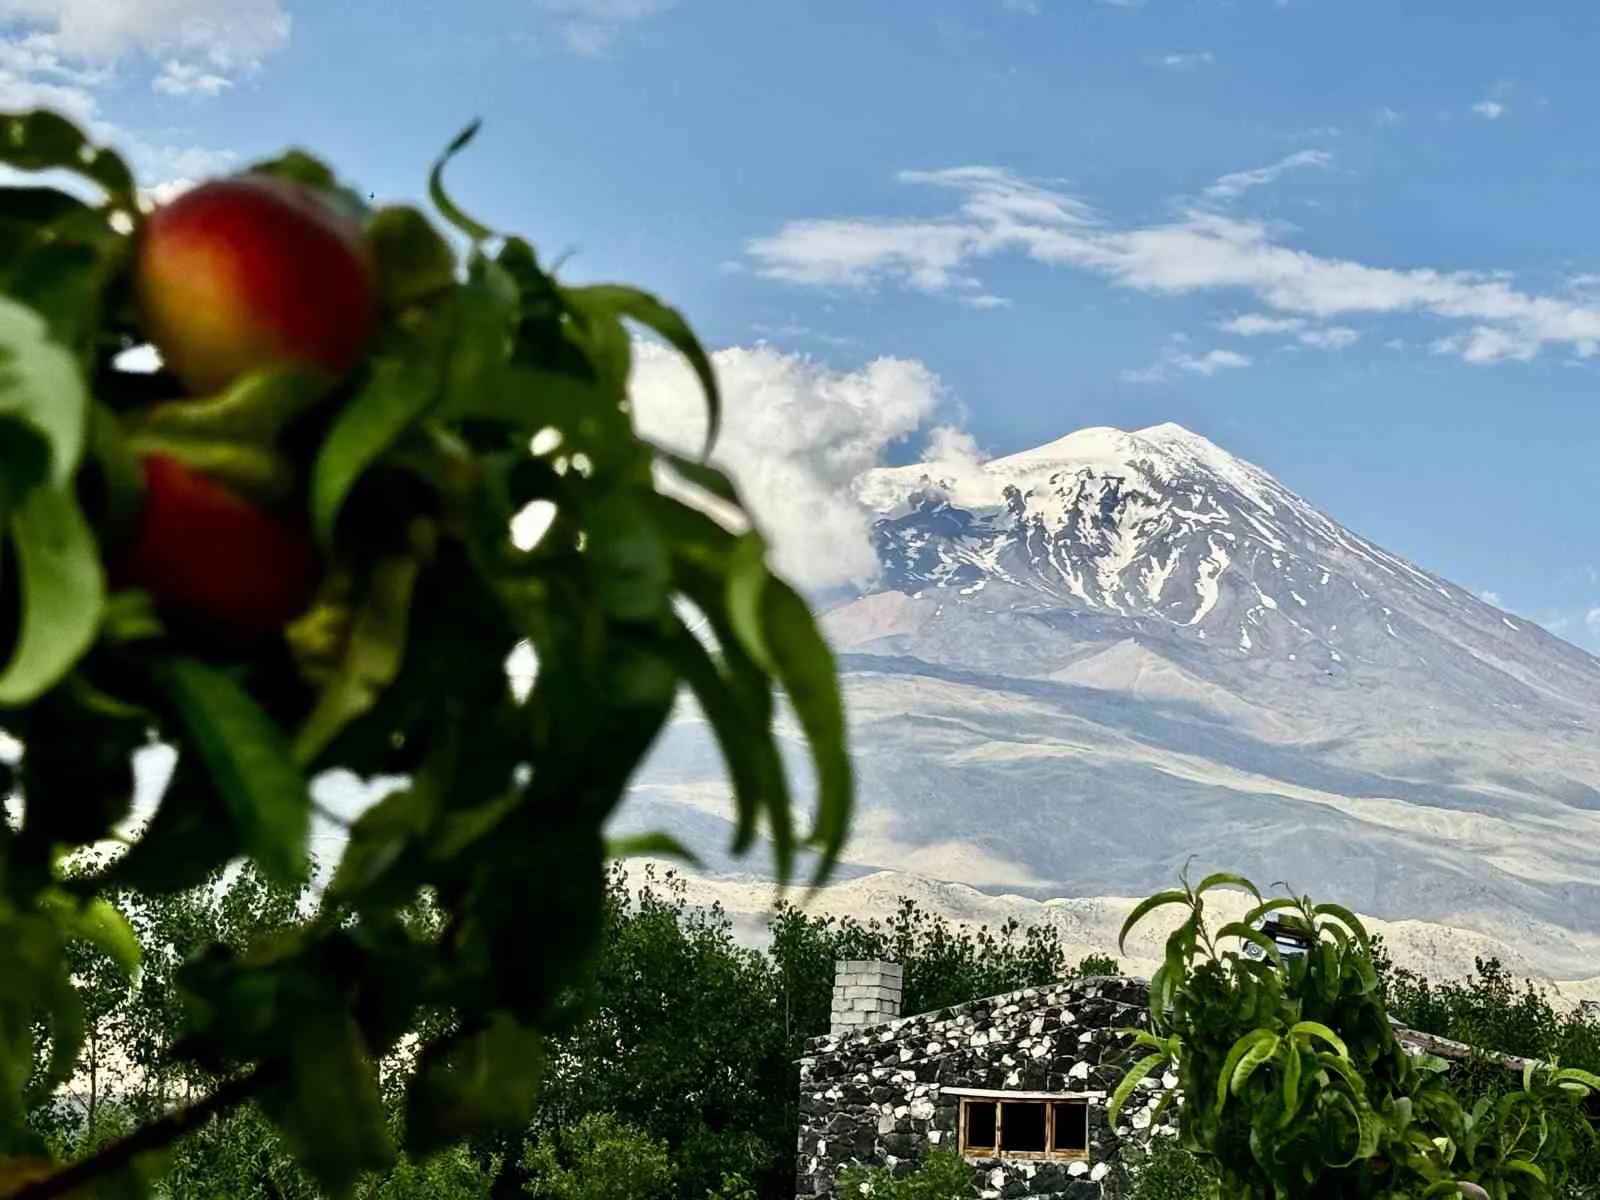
(1071, 1131)
(980, 1125)
(1022, 1127)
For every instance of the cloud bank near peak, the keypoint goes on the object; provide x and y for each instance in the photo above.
(796, 434)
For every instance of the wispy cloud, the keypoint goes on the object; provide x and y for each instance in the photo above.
(1256, 324)
(1191, 58)
(1232, 186)
(591, 27)
(1175, 360)
(1489, 110)
(1334, 337)
(1197, 252)
(187, 79)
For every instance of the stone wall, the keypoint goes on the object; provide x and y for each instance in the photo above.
(886, 1094)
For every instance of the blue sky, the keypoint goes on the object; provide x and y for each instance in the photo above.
(1349, 240)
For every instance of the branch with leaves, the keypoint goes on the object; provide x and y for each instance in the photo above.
(1295, 1084)
(290, 550)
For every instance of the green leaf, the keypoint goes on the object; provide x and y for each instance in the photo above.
(441, 199)
(42, 140)
(1246, 933)
(414, 261)
(400, 391)
(1224, 878)
(1260, 1052)
(808, 676)
(1306, 1030)
(249, 762)
(744, 735)
(42, 388)
(747, 579)
(1239, 1051)
(1136, 1074)
(103, 926)
(669, 324)
(332, 1113)
(487, 1079)
(1145, 907)
(655, 845)
(62, 592)
(1350, 921)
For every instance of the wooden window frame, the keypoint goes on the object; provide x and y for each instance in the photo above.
(1050, 1103)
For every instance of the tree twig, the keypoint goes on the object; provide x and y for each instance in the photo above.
(161, 1132)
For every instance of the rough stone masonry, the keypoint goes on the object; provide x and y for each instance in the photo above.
(882, 1089)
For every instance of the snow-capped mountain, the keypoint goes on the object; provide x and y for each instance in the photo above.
(1085, 663)
(1163, 537)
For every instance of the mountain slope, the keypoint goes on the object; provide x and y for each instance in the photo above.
(1091, 660)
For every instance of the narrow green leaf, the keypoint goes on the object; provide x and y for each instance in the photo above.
(747, 579)
(1224, 878)
(1349, 920)
(655, 845)
(42, 140)
(669, 324)
(744, 735)
(62, 589)
(806, 672)
(1136, 1074)
(1261, 1052)
(1236, 1055)
(42, 388)
(441, 199)
(400, 391)
(249, 762)
(1245, 933)
(1145, 907)
(1306, 1030)
(708, 478)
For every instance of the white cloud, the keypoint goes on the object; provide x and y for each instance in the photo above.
(1255, 324)
(187, 79)
(591, 27)
(1491, 597)
(1591, 621)
(1193, 58)
(1212, 361)
(1489, 110)
(1207, 364)
(1334, 337)
(226, 33)
(796, 434)
(1196, 252)
(1232, 186)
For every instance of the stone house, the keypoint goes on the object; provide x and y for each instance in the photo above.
(1018, 1083)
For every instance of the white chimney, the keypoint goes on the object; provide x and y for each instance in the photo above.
(864, 993)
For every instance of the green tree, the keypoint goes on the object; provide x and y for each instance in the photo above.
(372, 501)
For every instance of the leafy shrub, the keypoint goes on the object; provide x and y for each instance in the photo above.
(599, 1158)
(944, 1175)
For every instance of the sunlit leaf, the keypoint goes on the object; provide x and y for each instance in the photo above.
(62, 589)
(41, 388)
